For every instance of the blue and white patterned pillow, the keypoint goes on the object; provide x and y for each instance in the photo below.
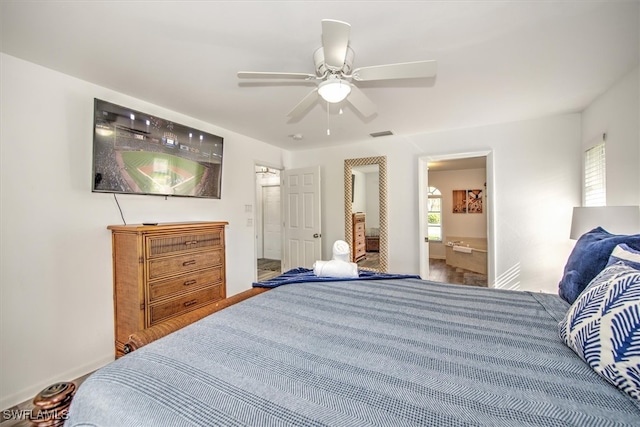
(626, 254)
(603, 325)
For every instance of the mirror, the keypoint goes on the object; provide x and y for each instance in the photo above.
(359, 201)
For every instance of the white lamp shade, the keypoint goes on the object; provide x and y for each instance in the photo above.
(334, 90)
(614, 219)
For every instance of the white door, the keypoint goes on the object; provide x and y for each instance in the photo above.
(423, 214)
(272, 235)
(301, 207)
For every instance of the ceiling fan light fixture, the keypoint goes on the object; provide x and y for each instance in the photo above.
(334, 90)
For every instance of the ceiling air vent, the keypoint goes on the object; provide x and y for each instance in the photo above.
(383, 133)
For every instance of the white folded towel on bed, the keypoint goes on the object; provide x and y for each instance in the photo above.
(341, 250)
(335, 268)
(463, 249)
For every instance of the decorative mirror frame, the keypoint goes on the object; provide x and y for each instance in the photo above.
(381, 161)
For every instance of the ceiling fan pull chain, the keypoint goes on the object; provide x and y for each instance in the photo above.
(328, 129)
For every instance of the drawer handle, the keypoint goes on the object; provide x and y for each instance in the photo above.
(190, 282)
(188, 303)
(186, 263)
(193, 242)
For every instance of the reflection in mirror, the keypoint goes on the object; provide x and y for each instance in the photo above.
(365, 211)
(366, 208)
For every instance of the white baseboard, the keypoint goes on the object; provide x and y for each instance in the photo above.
(30, 392)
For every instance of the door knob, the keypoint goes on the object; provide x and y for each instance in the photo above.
(316, 235)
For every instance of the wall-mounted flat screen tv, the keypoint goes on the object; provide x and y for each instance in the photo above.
(138, 153)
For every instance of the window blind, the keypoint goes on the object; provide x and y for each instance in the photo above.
(595, 188)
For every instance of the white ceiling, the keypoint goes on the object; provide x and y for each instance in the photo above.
(498, 61)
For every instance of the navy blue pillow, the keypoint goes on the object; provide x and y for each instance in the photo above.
(588, 258)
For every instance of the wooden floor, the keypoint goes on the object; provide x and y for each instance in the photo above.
(439, 271)
(268, 268)
(371, 260)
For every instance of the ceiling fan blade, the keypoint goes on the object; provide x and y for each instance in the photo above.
(404, 70)
(335, 39)
(274, 75)
(302, 107)
(361, 102)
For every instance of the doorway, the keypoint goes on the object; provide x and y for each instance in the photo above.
(268, 223)
(469, 230)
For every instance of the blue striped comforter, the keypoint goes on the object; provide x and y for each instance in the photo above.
(400, 352)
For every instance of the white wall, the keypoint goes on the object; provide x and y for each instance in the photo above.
(616, 114)
(537, 183)
(56, 279)
(366, 196)
(457, 224)
(372, 182)
(262, 180)
(359, 193)
(537, 169)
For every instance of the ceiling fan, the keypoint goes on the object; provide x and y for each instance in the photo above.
(333, 62)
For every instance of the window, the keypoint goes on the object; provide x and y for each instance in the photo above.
(595, 189)
(434, 212)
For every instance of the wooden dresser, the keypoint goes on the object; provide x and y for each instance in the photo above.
(358, 246)
(162, 271)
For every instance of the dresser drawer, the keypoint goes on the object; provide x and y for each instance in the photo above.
(171, 244)
(188, 302)
(162, 267)
(186, 283)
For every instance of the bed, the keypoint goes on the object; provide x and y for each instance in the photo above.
(386, 352)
